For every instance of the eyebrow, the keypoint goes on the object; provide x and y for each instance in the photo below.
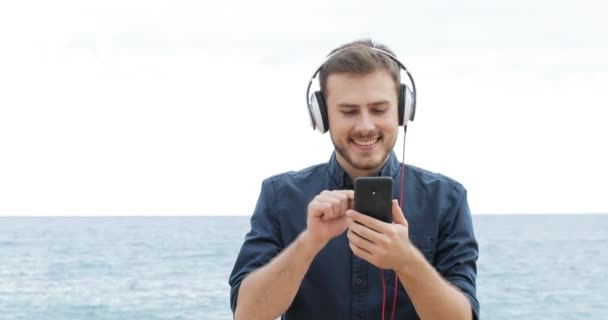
(379, 103)
(373, 104)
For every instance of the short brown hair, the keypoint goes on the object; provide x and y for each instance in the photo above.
(357, 58)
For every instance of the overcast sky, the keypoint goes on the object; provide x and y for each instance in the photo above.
(184, 107)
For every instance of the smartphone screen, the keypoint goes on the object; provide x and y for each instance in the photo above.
(373, 196)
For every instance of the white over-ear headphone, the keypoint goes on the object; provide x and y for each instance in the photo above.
(318, 109)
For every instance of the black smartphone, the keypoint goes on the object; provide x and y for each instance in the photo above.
(373, 197)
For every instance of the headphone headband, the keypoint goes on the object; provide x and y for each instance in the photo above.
(319, 108)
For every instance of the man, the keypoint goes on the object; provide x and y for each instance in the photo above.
(309, 255)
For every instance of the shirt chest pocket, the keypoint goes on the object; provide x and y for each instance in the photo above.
(426, 245)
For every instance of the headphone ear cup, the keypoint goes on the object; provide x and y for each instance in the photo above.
(323, 111)
(318, 112)
(407, 109)
(401, 103)
(410, 104)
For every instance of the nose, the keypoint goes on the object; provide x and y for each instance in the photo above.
(365, 123)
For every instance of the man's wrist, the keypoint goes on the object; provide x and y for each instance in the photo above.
(412, 261)
(309, 243)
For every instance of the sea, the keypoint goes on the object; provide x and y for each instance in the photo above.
(152, 268)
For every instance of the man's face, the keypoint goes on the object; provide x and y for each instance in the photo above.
(363, 120)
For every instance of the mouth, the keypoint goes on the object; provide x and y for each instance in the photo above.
(365, 144)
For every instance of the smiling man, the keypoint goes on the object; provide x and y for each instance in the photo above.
(309, 255)
(363, 128)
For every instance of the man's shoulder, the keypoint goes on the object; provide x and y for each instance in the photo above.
(427, 178)
(433, 185)
(313, 172)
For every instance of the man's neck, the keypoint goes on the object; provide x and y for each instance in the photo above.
(354, 173)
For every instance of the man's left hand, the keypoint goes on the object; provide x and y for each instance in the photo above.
(385, 245)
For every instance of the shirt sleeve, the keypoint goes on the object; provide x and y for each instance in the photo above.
(457, 249)
(262, 242)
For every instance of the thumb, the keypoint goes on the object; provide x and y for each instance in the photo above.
(398, 216)
(351, 198)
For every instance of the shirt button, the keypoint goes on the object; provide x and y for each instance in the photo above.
(358, 281)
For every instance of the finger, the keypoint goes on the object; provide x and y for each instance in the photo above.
(320, 209)
(398, 216)
(360, 242)
(343, 198)
(336, 206)
(361, 253)
(351, 199)
(333, 203)
(366, 233)
(349, 193)
(367, 221)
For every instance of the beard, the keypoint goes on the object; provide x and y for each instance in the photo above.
(373, 161)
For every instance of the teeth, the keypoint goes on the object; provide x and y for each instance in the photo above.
(365, 143)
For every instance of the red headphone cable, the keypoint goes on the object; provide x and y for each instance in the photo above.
(400, 205)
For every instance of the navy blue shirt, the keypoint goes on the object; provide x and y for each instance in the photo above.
(339, 285)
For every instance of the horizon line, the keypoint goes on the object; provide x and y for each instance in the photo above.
(249, 215)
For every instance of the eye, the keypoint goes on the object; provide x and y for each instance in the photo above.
(379, 111)
(349, 113)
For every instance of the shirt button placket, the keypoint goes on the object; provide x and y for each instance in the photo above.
(359, 273)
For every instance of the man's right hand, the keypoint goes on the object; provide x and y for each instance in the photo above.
(327, 215)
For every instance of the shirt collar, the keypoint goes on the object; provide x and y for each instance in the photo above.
(343, 180)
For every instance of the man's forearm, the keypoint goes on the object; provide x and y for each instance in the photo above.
(433, 297)
(267, 292)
